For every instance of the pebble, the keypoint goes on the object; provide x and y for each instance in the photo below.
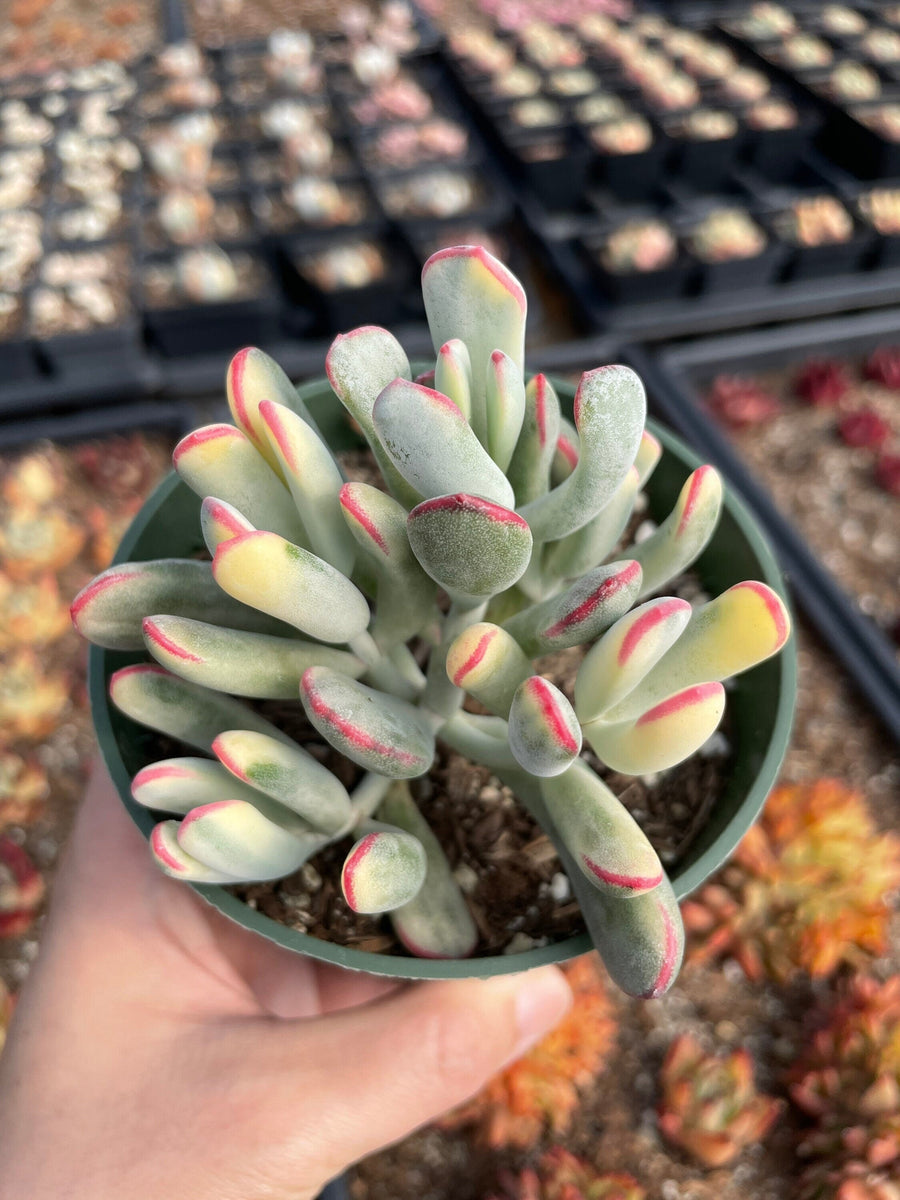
(560, 888)
(522, 942)
(466, 877)
(645, 530)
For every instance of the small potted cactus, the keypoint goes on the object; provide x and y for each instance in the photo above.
(375, 612)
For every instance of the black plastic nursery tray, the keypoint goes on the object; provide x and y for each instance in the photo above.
(678, 379)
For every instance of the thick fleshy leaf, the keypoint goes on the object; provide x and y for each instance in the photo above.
(504, 398)
(376, 730)
(384, 870)
(579, 614)
(359, 365)
(244, 664)
(472, 296)
(177, 862)
(220, 521)
(433, 446)
(405, 595)
(610, 408)
(607, 843)
(176, 785)
(565, 455)
(582, 550)
(234, 837)
(626, 653)
(489, 664)
(744, 626)
(218, 460)
(293, 584)
(685, 532)
(437, 923)
(153, 696)
(641, 941)
(315, 482)
(110, 610)
(662, 736)
(544, 734)
(453, 375)
(286, 773)
(529, 468)
(253, 377)
(469, 545)
(648, 455)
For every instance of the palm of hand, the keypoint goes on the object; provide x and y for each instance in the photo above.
(183, 1006)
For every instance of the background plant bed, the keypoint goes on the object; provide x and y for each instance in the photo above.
(761, 704)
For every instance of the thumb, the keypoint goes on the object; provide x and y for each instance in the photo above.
(382, 1070)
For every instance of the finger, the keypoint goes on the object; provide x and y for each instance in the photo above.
(347, 989)
(382, 1071)
(289, 985)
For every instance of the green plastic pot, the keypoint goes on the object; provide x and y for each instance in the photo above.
(761, 703)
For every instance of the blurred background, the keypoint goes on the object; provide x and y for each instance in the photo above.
(707, 191)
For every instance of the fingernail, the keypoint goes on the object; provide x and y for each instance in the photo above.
(543, 999)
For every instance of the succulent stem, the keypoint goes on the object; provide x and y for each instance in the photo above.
(382, 670)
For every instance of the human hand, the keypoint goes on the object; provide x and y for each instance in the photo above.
(161, 1051)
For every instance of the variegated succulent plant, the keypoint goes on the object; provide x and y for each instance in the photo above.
(374, 609)
(709, 1105)
(559, 1175)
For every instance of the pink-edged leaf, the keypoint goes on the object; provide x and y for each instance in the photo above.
(315, 482)
(579, 614)
(489, 664)
(293, 584)
(662, 736)
(743, 626)
(610, 408)
(384, 870)
(378, 731)
(684, 534)
(110, 610)
(472, 296)
(256, 665)
(178, 863)
(218, 460)
(565, 455)
(253, 377)
(648, 456)
(359, 365)
(602, 836)
(433, 446)
(582, 550)
(469, 545)
(626, 653)
(453, 375)
(153, 696)
(437, 922)
(641, 941)
(544, 734)
(234, 837)
(286, 773)
(176, 785)
(504, 400)
(220, 521)
(529, 468)
(405, 594)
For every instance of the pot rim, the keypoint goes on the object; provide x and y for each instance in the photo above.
(402, 967)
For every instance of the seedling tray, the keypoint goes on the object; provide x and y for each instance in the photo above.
(676, 379)
(654, 320)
